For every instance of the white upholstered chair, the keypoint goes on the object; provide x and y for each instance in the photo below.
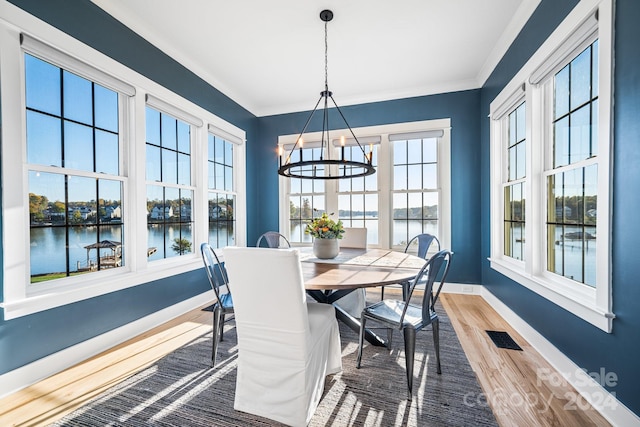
(286, 345)
(354, 302)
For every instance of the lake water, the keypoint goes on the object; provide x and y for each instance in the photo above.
(47, 255)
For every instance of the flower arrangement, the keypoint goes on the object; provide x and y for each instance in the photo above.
(324, 227)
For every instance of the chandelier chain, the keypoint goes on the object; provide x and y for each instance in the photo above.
(326, 58)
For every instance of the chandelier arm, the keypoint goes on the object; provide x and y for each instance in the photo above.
(349, 127)
(303, 129)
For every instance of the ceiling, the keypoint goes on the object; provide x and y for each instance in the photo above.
(268, 56)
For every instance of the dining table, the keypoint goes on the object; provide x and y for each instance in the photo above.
(328, 280)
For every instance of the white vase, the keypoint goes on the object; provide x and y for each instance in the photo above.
(325, 248)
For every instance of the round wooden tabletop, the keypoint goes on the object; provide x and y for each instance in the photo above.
(358, 268)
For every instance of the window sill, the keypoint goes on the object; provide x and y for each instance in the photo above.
(581, 304)
(59, 296)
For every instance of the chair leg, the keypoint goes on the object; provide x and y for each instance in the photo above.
(435, 325)
(363, 320)
(381, 293)
(217, 311)
(222, 327)
(409, 353)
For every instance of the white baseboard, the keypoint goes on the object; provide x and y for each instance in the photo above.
(42, 368)
(461, 288)
(587, 387)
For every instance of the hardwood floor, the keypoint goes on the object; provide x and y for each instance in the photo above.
(515, 383)
(508, 378)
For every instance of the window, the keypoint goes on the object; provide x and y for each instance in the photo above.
(415, 187)
(222, 196)
(394, 204)
(75, 192)
(550, 146)
(514, 201)
(80, 177)
(169, 201)
(573, 177)
(358, 197)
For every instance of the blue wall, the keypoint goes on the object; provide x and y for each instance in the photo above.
(32, 337)
(461, 107)
(589, 347)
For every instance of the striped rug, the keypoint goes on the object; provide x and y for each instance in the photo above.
(182, 389)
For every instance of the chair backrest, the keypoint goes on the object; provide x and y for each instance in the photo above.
(424, 243)
(354, 237)
(215, 270)
(269, 298)
(272, 240)
(436, 267)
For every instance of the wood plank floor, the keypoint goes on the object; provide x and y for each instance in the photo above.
(508, 378)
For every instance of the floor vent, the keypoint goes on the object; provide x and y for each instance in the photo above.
(503, 340)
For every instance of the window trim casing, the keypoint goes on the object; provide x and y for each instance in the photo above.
(384, 174)
(592, 305)
(16, 302)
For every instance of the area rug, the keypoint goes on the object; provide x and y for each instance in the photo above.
(183, 390)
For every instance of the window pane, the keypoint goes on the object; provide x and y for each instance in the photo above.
(184, 169)
(414, 151)
(590, 194)
(430, 150)
(400, 178)
(169, 167)
(78, 102)
(561, 96)
(594, 69)
(44, 139)
(512, 163)
(521, 160)
(521, 122)
(42, 82)
(399, 152)
(184, 139)
(78, 146)
(228, 178)
(400, 204)
(152, 126)
(414, 177)
(580, 87)
(107, 153)
(580, 135)
(110, 201)
(106, 108)
(561, 142)
(594, 128)
(82, 207)
(228, 153)
(168, 130)
(153, 163)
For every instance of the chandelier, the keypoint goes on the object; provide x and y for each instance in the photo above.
(326, 167)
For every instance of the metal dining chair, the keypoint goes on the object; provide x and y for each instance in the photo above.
(424, 242)
(411, 318)
(272, 239)
(224, 302)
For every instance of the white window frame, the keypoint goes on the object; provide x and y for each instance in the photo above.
(20, 298)
(384, 175)
(590, 19)
(239, 157)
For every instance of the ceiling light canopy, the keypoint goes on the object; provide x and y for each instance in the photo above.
(294, 165)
